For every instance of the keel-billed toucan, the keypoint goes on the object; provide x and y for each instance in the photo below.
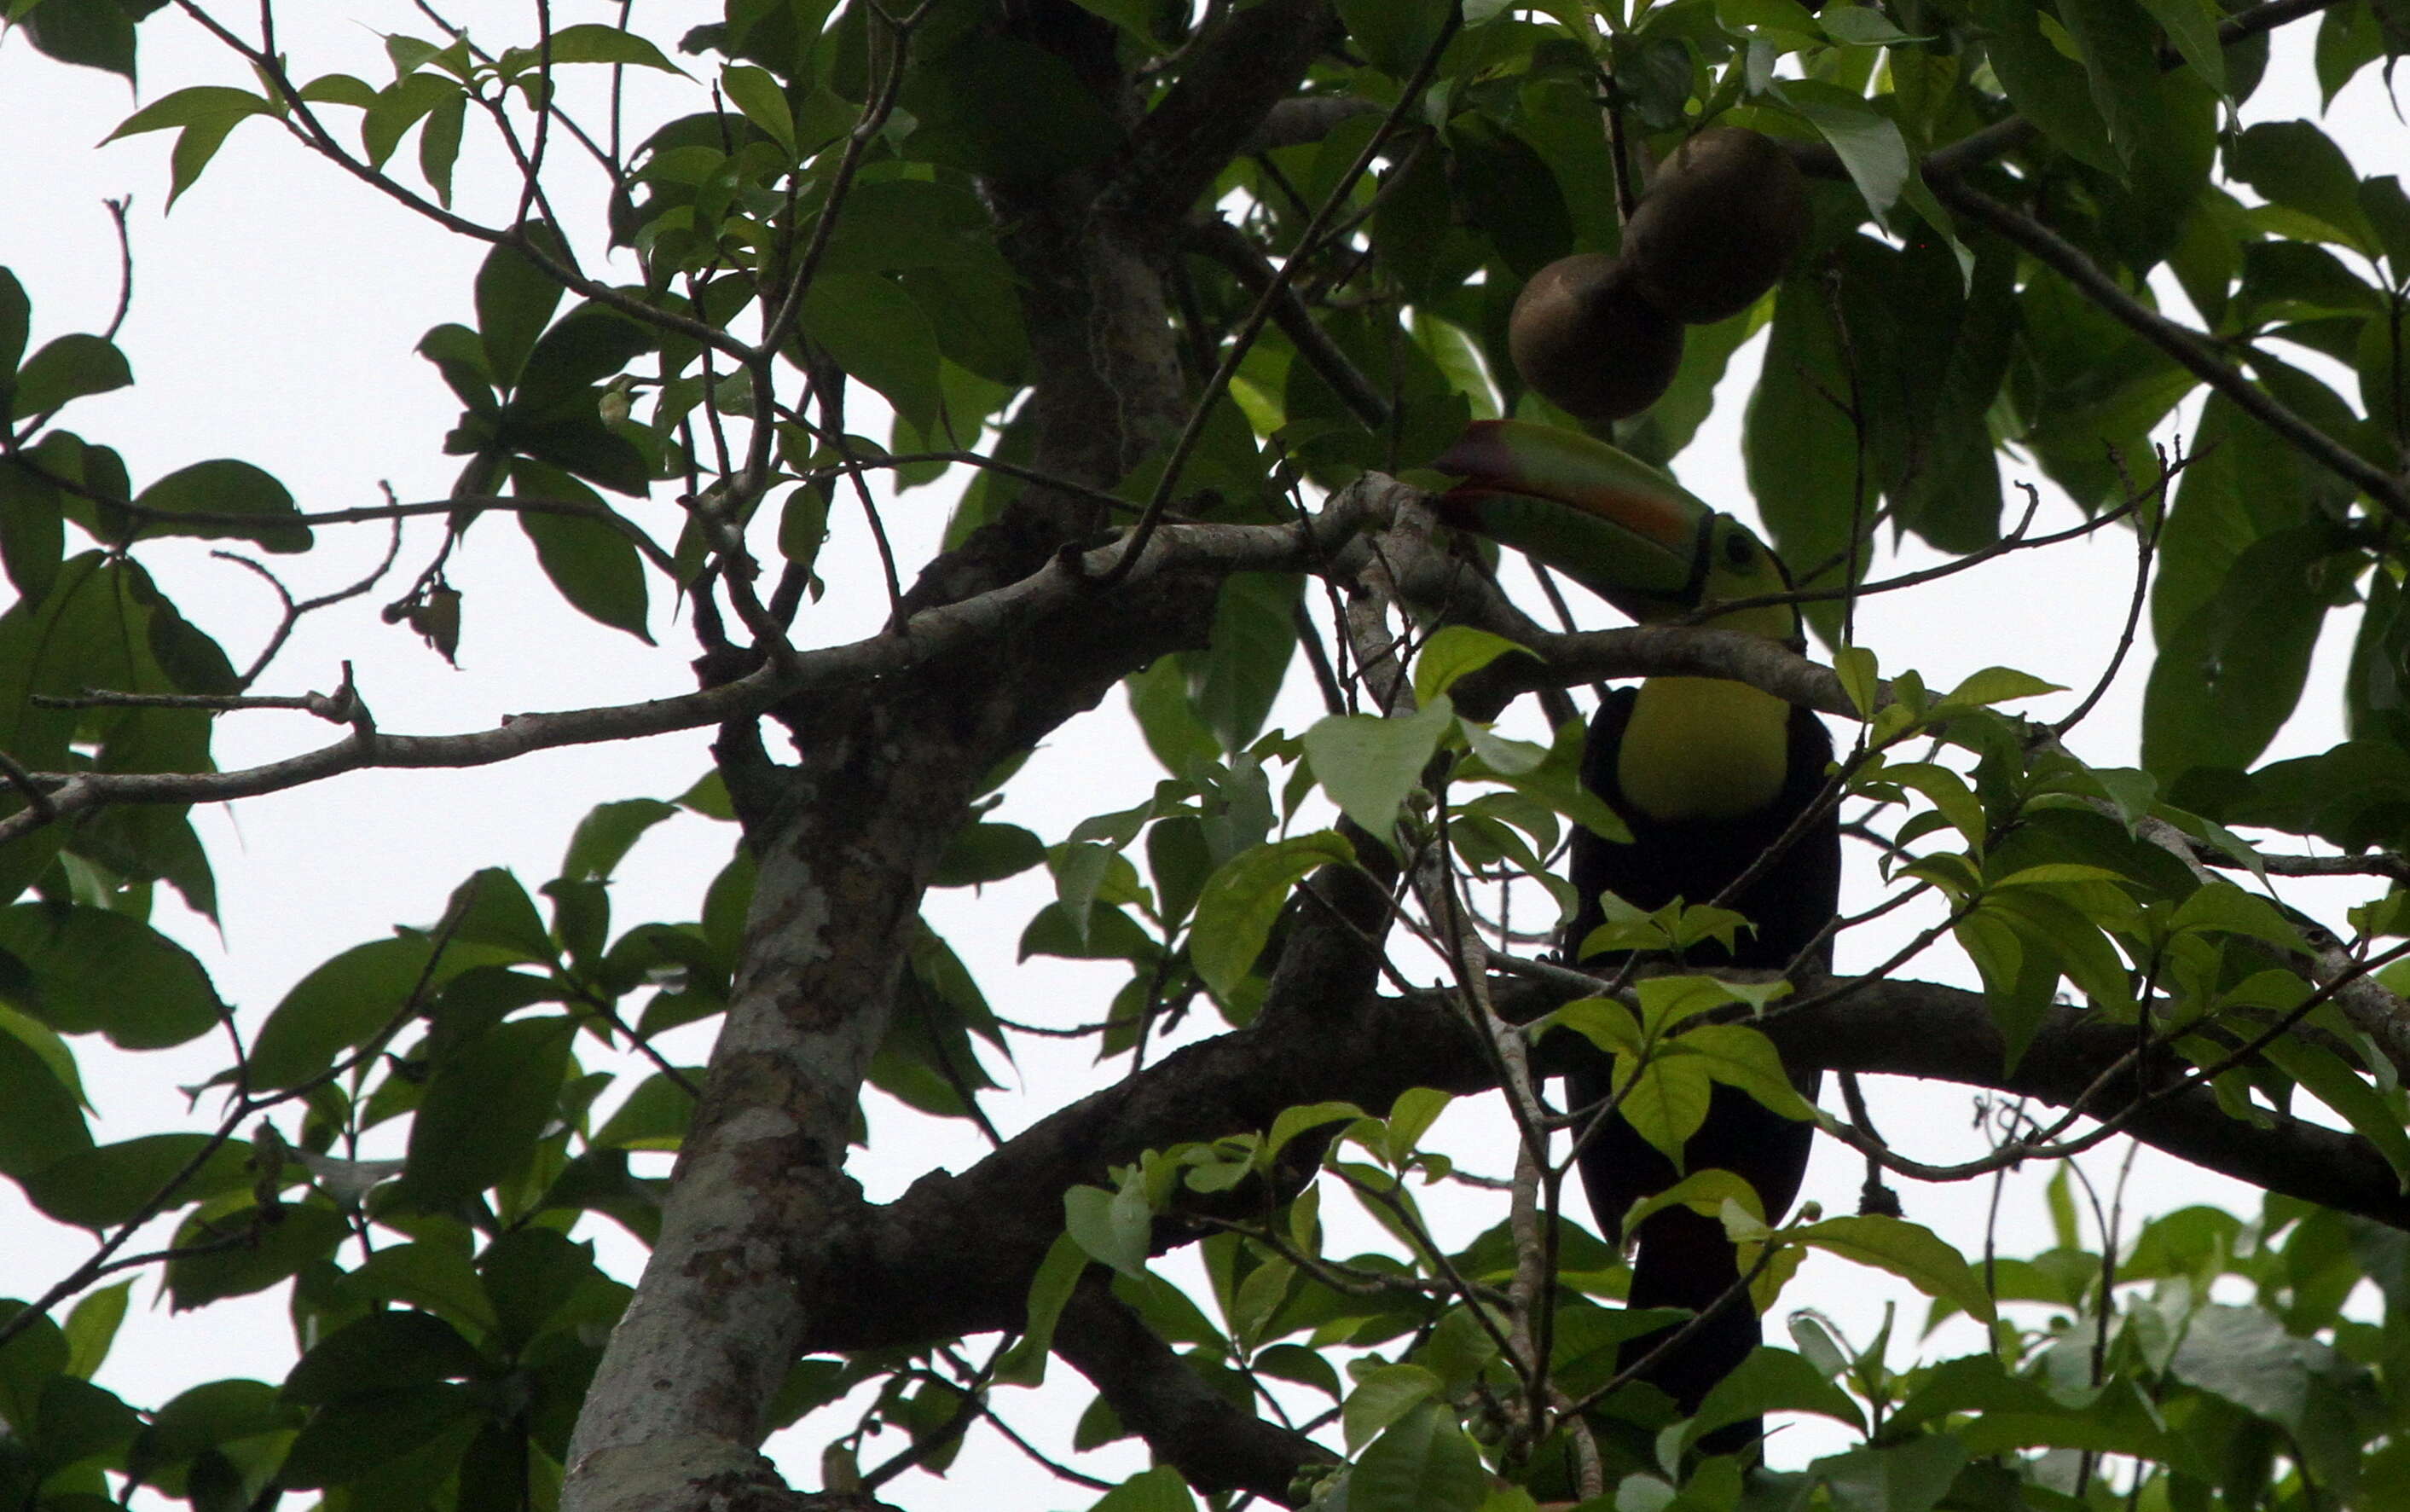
(1708, 774)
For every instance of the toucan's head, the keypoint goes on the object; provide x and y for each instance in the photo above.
(1612, 523)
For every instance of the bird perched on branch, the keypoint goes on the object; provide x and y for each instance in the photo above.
(1720, 784)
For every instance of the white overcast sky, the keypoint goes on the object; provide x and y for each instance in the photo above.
(274, 315)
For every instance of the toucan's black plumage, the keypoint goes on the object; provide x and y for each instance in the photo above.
(1708, 774)
(1683, 1258)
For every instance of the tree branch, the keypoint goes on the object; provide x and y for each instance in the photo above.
(931, 634)
(955, 1253)
(1233, 85)
(1216, 1445)
(2189, 349)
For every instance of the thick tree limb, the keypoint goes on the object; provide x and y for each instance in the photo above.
(955, 1253)
(1236, 78)
(1217, 1447)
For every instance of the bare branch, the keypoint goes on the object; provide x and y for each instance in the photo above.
(932, 632)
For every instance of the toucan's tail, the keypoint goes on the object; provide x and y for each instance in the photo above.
(1683, 1258)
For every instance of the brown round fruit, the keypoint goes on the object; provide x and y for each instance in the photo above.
(1586, 340)
(1722, 219)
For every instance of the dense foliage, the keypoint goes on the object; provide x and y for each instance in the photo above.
(1185, 299)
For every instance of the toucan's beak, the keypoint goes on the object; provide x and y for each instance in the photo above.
(1612, 523)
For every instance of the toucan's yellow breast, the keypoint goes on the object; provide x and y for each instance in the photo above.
(1702, 748)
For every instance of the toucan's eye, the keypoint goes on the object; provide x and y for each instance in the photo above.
(1737, 550)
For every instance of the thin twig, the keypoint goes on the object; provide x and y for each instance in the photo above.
(118, 210)
(2146, 543)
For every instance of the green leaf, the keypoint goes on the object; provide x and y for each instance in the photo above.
(1159, 1489)
(596, 567)
(656, 1115)
(1950, 795)
(2232, 673)
(340, 89)
(1801, 453)
(1382, 1395)
(584, 347)
(1773, 1380)
(1910, 1251)
(2047, 87)
(983, 853)
(1738, 1055)
(2342, 1089)
(1395, 34)
(490, 907)
(68, 368)
(381, 1352)
(604, 836)
(28, 1363)
(2121, 62)
(16, 322)
(80, 1421)
(2245, 1356)
(2219, 905)
(594, 42)
(1234, 682)
(1004, 107)
(1910, 1476)
(207, 113)
(401, 106)
(1602, 1020)
(516, 300)
(1236, 910)
(1369, 764)
(350, 1440)
(335, 1006)
(95, 34)
(1849, 26)
(33, 532)
(1995, 685)
(195, 1423)
(263, 1251)
(1050, 1291)
(91, 1326)
(1869, 144)
(1115, 1229)
(484, 1109)
(1667, 1102)
(93, 969)
(803, 525)
(41, 1119)
(2192, 26)
(225, 487)
(1159, 701)
(107, 1185)
(1855, 666)
(2296, 164)
(439, 145)
(1423, 1462)
(1411, 1117)
(1451, 653)
(1291, 1122)
(427, 1273)
(877, 333)
(763, 100)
